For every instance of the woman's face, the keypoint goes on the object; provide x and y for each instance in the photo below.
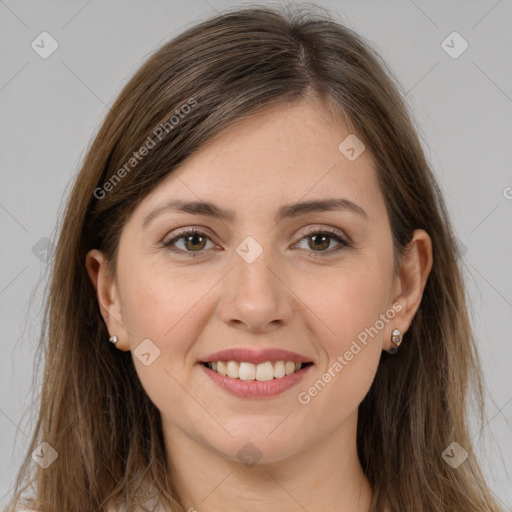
(260, 280)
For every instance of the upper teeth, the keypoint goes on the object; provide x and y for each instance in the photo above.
(250, 371)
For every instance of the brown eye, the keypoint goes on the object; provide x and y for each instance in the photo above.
(320, 240)
(193, 242)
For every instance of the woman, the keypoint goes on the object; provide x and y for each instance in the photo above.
(257, 233)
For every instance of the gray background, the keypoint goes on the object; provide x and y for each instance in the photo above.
(51, 108)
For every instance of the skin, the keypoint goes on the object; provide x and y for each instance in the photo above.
(289, 297)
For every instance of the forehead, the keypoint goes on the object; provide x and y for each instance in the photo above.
(281, 155)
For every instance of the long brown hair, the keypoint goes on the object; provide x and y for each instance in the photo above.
(93, 410)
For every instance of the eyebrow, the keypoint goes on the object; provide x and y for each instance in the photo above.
(287, 211)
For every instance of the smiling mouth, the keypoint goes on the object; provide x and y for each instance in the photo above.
(259, 372)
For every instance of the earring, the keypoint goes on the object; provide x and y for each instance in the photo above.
(113, 339)
(396, 337)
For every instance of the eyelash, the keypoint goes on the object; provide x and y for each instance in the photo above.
(193, 231)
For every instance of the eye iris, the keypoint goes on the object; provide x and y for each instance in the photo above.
(319, 245)
(193, 238)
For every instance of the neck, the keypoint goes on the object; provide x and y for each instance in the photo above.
(327, 475)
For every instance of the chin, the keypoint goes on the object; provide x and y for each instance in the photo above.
(258, 442)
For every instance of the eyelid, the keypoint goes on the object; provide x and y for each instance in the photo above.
(329, 230)
(187, 229)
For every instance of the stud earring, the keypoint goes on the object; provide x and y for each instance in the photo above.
(396, 337)
(113, 339)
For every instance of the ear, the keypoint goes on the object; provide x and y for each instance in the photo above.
(410, 282)
(108, 297)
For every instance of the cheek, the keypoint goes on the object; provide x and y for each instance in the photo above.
(169, 309)
(353, 315)
(164, 307)
(351, 358)
(347, 302)
(162, 304)
(336, 394)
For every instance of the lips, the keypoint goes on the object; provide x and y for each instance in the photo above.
(249, 373)
(253, 389)
(250, 355)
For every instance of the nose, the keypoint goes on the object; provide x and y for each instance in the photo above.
(256, 295)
